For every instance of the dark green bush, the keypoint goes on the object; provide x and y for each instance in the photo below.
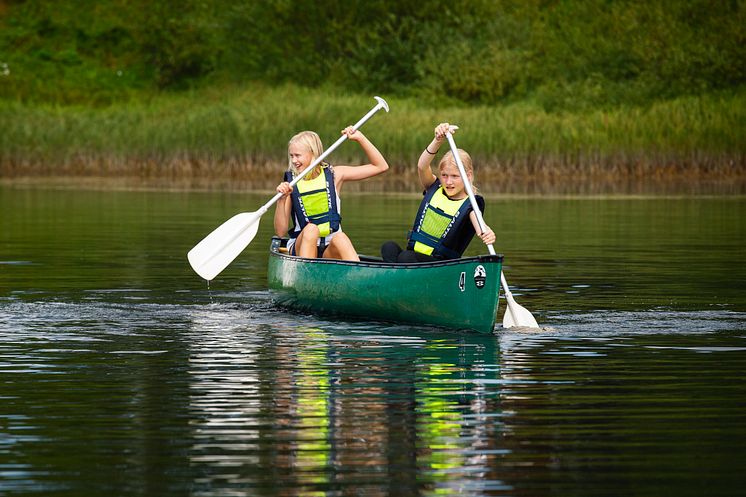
(564, 55)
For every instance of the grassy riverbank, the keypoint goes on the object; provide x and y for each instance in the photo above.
(239, 134)
(572, 96)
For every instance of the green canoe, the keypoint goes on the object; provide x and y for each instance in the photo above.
(458, 294)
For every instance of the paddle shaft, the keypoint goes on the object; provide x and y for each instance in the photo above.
(480, 221)
(380, 105)
(468, 188)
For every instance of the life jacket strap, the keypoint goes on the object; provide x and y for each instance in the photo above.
(434, 244)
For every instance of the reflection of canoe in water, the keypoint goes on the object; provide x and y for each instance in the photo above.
(460, 294)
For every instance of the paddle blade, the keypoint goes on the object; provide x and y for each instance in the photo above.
(517, 315)
(218, 249)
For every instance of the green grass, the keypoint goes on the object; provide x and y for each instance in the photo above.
(241, 133)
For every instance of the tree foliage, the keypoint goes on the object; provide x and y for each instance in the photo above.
(561, 54)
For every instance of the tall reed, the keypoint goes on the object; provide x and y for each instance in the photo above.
(241, 134)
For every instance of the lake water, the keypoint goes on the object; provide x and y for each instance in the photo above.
(122, 373)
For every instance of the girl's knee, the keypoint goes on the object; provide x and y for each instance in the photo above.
(390, 251)
(409, 256)
(311, 230)
(341, 238)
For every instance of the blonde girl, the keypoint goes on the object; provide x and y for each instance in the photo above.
(445, 222)
(313, 204)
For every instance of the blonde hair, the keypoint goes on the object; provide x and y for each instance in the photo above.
(308, 139)
(449, 160)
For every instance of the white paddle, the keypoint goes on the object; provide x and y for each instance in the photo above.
(218, 249)
(515, 314)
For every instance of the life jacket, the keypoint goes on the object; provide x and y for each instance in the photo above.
(315, 201)
(437, 223)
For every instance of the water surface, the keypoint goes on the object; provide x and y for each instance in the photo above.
(122, 373)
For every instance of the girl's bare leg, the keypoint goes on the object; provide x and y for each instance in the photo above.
(305, 245)
(341, 248)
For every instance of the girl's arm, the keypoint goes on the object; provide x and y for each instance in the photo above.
(487, 236)
(282, 209)
(377, 165)
(424, 171)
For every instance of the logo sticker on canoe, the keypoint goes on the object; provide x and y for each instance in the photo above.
(480, 276)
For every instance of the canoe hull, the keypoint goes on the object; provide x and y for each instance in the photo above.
(458, 294)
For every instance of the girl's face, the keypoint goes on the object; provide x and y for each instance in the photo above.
(451, 181)
(300, 156)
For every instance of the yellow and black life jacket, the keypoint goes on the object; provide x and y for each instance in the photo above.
(438, 223)
(315, 201)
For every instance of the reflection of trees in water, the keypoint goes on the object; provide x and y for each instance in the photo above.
(303, 410)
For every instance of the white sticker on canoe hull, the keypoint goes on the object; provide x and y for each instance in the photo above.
(480, 276)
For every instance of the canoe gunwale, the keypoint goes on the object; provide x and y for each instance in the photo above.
(374, 262)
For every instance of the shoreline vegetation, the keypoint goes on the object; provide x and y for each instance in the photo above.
(236, 137)
(578, 96)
